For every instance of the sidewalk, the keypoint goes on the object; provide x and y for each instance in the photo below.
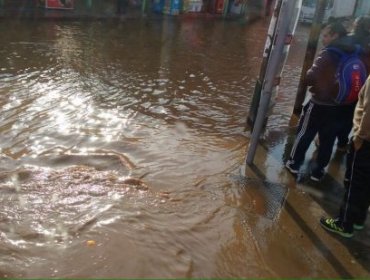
(304, 203)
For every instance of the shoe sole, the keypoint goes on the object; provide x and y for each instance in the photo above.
(358, 227)
(343, 234)
(291, 170)
(315, 179)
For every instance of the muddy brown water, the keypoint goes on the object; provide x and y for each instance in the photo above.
(118, 146)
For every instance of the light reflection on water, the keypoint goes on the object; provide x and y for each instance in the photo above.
(125, 134)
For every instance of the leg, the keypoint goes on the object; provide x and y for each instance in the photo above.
(307, 129)
(349, 161)
(343, 133)
(327, 133)
(344, 224)
(357, 197)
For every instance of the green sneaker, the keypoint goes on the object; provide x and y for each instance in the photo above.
(333, 225)
(358, 226)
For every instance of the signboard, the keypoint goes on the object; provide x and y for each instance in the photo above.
(59, 4)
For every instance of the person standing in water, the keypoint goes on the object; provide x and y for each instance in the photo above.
(356, 201)
(320, 113)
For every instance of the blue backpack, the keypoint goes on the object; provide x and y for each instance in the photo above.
(351, 75)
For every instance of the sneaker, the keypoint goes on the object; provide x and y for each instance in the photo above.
(291, 168)
(333, 225)
(358, 226)
(317, 175)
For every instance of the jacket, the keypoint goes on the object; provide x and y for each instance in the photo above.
(320, 78)
(361, 118)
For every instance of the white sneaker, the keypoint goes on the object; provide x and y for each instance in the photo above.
(291, 169)
(317, 175)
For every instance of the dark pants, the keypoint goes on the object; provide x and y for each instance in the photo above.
(356, 200)
(315, 119)
(346, 117)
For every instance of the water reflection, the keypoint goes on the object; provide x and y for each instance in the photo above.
(125, 134)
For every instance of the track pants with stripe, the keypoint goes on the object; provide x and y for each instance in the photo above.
(315, 118)
(356, 200)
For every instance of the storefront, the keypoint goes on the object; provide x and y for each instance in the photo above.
(59, 4)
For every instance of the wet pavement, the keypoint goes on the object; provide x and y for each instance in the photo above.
(305, 203)
(122, 155)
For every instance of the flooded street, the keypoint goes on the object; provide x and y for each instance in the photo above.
(119, 147)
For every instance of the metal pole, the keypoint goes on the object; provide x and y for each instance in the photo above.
(89, 4)
(287, 21)
(143, 7)
(357, 5)
(266, 55)
(226, 8)
(310, 54)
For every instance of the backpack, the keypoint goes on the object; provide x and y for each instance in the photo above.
(351, 75)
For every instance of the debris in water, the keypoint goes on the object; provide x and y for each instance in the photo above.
(90, 243)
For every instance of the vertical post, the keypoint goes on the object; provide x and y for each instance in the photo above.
(226, 8)
(287, 22)
(89, 4)
(144, 7)
(310, 54)
(266, 55)
(357, 5)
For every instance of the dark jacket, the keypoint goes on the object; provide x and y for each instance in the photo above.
(320, 78)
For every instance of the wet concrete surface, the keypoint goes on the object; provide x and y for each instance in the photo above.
(306, 202)
(122, 155)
